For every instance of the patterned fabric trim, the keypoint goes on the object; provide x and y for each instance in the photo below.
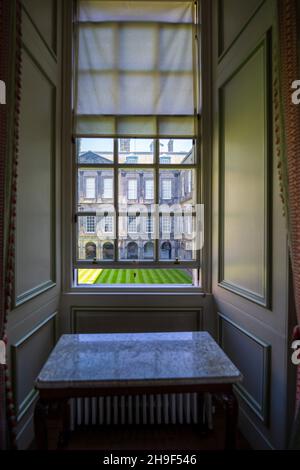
(278, 116)
(7, 237)
(4, 74)
(289, 71)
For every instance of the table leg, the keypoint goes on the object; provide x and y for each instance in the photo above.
(50, 423)
(40, 425)
(231, 411)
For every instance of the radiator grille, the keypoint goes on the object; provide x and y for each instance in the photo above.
(187, 408)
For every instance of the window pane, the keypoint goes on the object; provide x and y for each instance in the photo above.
(137, 276)
(177, 233)
(95, 151)
(90, 224)
(136, 151)
(149, 189)
(95, 189)
(176, 152)
(96, 238)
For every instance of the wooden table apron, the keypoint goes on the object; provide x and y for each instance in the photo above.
(51, 417)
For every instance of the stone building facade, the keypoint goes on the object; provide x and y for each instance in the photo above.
(136, 187)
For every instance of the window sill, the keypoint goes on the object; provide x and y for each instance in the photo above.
(137, 290)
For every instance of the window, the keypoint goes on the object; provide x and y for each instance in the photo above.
(90, 224)
(107, 188)
(90, 251)
(108, 224)
(167, 189)
(149, 250)
(149, 189)
(166, 251)
(178, 225)
(166, 225)
(132, 224)
(136, 110)
(90, 188)
(149, 224)
(132, 189)
(132, 251)
(182, 187)
(165, 159)
(108, 251)
(132, 159)
(188, 225)
(190, 176)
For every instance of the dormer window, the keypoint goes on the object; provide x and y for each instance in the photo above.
(165, 159)
(132, 159)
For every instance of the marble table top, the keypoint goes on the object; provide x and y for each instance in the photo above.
(99, 360)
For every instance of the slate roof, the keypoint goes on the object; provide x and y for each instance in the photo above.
(92, 157)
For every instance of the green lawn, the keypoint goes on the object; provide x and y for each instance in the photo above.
(131, 276)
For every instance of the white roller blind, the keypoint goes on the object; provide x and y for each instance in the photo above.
(135, 68)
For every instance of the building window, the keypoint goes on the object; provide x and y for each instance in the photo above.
(90, 188)
(90, 251)
(167, 189)
(108, 251)
(149, 224)
(166, 224)
(132, 251)
(178, 225)
(166, 251)
(108, 224)
(132, 159)
(188, 225)
(132, 224)
(190, 178)
(149, 189)
(107, 188)
(149, 250)
(165, 159)
(90, 224)
(136, 111)
(182, 187)
(132, 189)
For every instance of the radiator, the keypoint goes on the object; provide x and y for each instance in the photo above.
(187, 408)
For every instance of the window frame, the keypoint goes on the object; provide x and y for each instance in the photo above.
(166, 180)
(108, 221)
(135, 222)
(147, 182)
(201, 189)
(130, 180)
(156, 167)
(149, 224)
(88, 220)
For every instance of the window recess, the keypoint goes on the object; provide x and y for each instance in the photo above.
(135, 133)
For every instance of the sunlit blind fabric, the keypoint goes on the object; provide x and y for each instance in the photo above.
(135, 68)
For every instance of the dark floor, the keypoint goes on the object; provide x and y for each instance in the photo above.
(173, 437)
